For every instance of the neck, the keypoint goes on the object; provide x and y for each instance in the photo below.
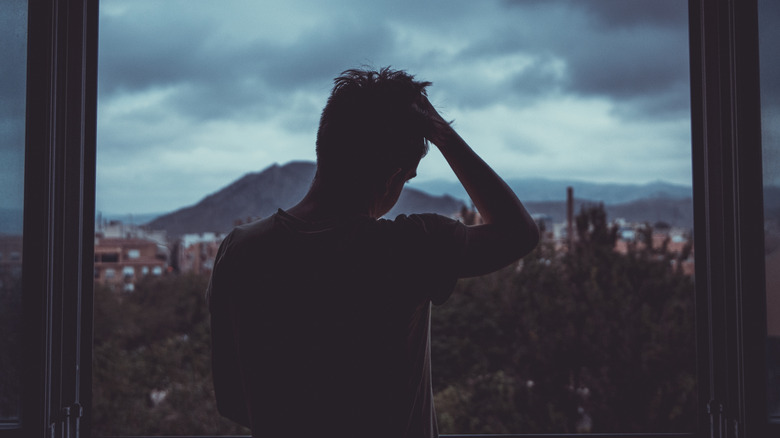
(323, 202)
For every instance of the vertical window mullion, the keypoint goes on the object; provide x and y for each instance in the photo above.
(727, 195)
(59, 214)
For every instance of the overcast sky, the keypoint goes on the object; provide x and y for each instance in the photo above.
(193, 93)
(13, 43)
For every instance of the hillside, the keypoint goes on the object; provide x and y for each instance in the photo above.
(540, 189)
(260, 194)
(675, 212)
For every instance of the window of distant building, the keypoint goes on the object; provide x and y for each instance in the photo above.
(110, 257)
(133, 253)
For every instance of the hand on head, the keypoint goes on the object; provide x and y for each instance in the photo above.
(436, 128)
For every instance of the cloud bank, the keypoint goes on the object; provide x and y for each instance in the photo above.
(194, 94)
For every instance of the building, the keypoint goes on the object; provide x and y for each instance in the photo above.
(120, 263)
(119, 229)
(196, 253)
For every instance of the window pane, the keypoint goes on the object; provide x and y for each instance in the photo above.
(13, 34)
(769, 41)
(593, 332)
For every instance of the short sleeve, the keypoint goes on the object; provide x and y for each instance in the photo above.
(436, 249)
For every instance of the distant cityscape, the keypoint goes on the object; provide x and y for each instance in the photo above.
(125, 253)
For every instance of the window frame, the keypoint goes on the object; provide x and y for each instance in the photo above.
(728, 218)
(59, 190)
(59, 220)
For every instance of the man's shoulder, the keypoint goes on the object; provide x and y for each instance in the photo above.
(247, 235)
(255, 229)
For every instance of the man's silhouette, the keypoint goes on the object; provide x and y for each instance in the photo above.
(320, 314)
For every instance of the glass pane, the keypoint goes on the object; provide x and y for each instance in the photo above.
(207, 118)
(769, 42)
(13, 70)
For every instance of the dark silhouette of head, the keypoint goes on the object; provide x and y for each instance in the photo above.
(369, 129)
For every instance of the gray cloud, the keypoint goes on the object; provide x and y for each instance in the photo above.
(769, 44)
(633, 53)
(134, 56)
(620, 13)
(652, 70)
(232, 80)
(13, 34)
(253, 77)
(264, 75)
(632, 13)
(486, 59)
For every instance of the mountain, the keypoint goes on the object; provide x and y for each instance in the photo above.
(675, 212)
(540, 189)
(127, 218)
(260, 194)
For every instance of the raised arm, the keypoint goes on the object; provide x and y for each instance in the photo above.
(508, 232)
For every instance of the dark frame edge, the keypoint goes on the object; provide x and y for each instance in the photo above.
(728, 206)
(58, 216)
(35, 267)
(91, 17)
(751, 292)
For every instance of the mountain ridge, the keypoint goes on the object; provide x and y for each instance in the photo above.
(543, 189)
(260, 194)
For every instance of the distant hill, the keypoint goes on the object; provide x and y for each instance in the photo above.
(675, 212)
(260, 194)
(540, 189)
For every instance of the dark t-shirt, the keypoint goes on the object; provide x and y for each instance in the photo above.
(324, 328)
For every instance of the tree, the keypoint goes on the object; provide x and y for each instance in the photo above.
(588, 340)
(152, 363)
(564, 341)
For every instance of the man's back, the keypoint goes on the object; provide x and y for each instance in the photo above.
(320, 315)
(324, 327)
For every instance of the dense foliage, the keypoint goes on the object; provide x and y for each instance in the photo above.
(565, 341)
(588, 340)
(152, 363)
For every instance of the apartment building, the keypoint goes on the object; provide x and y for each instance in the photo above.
(121, 262)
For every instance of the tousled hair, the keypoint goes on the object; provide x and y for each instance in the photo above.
(369, 127)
